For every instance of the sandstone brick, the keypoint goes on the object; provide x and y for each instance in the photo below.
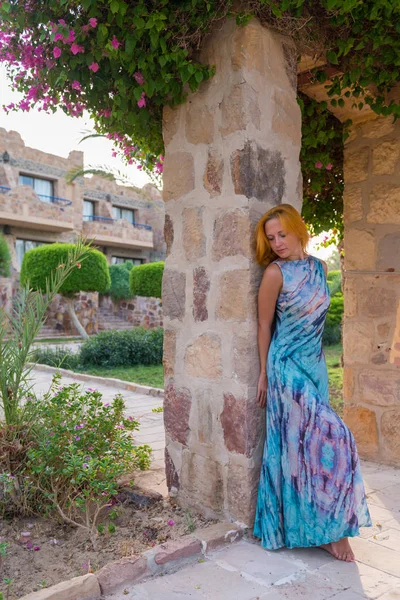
(390, 442)
(199, 123)
(205, 417)
(169, 352)
(357, 338)
(384, 206)
(238, 109)
(177, 405)
(360, 252)
(201, 287)
(201, 478)
(362, 423)
(248, 47)
(389, 252)
(348, 384)
(203, 358)
(377, 302)
(170, 123)
(231, 235)
(85, 587)
(213, 173)
(174, 294)
(218, 535)
(286, 120)
(176, 549)
(121, 572)
(168, 233)
(352, 203)
(178, 175)
(245, 357)
(242, 491)
(350, 297)
(383, 331)
(242, 424)
(171, 474)
(380, 387)
(356, 165)
(377, 128)
(385, 157)
(235, 300)
(194, 241)
(258, 173)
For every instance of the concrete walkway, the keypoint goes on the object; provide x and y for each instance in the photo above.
(138, 405)
(245, 571)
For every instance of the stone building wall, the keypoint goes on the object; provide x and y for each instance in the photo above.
(372, 288)
(138, 311)
(86, 308)
(232, 153)
(6, 293)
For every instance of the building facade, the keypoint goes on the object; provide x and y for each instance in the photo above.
(38, 206)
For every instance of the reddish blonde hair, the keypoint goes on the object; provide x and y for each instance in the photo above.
(291, 221)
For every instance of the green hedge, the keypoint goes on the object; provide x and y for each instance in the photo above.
(119, 274)
(5, 258)
(334, 282)
(124, 348)
(92, 276)
(333, 325)
(146, 280)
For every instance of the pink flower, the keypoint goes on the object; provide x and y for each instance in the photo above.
(85, 28)
(57, 52)
(171, 522)
(77, 438)
(62, 22)
(58, 36)
(319, 164)
(115, 43)
(114, 154)
(75, 49)
(138, 78)
(94, 67)
(76, 85)
(71, 37)
(142, 101)
(93, 22)
(36, 548)
(329, 167)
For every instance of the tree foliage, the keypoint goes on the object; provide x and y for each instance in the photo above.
(124, 62)
(146, 280)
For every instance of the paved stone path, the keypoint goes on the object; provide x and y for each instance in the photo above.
(245, 571)
(139, 406)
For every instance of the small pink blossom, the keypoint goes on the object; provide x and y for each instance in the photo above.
(58, 36)
(115, 43)
(93, 22)
(62, 22)
(85, 28)
(94, 67)
(142, 101)
(171, 523)
(77, 437)
(76, 85)
(75, 49)
(71, 37)
(329, 167)
(138, 78)
(319, 164)
(36, 548)
(114, 154)
(57, 52)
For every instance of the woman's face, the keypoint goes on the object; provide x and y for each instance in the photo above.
(284, 243)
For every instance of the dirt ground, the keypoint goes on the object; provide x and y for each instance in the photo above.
(42, 551)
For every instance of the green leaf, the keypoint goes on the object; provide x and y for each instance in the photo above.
(199, 76)
(332, 57)
(114, 6)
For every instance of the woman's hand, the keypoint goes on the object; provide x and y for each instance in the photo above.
(262, 390)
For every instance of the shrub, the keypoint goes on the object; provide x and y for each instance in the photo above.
(83, 447)
(119, 274)
(334, 282)
(56, 357)
(333, 326)
(124, 348)
(92, 275)
(5, 258)
(146, 280)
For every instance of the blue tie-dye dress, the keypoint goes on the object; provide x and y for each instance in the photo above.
(311, 491)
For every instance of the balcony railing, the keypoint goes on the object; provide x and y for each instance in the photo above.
(110, 220)
(48, 199)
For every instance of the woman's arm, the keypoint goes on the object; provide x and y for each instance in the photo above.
(270, 287)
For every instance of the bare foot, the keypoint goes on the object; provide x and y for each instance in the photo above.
(340, 550)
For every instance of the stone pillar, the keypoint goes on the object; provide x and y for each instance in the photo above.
(232, 152)
(372, 288)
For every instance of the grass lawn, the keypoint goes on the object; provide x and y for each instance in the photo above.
(335, 373)
(151, 375)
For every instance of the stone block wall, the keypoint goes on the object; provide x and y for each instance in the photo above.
(232, 152)
(6, 292)
(372, 288)
(138, 311)
(86, 307)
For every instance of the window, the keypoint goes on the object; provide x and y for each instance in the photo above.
(43, 187)
(88, 210)
(22, 246)
(124, 213)
(119, 260)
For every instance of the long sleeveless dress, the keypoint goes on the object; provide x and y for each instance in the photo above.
(311, 490)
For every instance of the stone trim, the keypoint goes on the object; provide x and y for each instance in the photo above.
(159, 560)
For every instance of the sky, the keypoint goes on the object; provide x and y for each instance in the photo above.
(59, 134)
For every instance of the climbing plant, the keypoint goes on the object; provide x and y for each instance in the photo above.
(123, 62)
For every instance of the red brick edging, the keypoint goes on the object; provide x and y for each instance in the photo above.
(127, 571)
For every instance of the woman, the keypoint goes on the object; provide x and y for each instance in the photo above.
(311, 492)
